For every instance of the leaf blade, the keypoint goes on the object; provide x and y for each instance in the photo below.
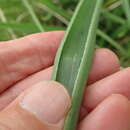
(33, 15)
(126, 7)
(66, 16)
(74, 57)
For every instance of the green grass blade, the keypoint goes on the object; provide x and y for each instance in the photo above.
(25, 27)
(109, 2)
(74, 57)
(110, 40)
(126, 6)
(33, 15)
(113, 17)
(21, 27)
(54, 10)
(4, 20)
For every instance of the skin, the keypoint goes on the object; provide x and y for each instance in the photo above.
(26, 66)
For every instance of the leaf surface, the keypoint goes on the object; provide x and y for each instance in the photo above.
(74, 57)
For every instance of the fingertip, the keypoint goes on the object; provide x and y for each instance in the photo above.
(117, 101)
(45, 100)
(117, 83)
(105, 63)
(109, 53)
(111, 114)
(61, 89)
(43, 106)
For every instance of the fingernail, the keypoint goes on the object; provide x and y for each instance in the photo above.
(48, 101)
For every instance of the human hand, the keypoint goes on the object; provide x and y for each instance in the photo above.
(30, 101)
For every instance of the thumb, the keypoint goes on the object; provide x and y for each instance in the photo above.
(42, 107)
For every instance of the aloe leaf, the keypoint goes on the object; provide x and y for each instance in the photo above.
(74, 57)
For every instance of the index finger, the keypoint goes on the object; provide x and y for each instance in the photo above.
(22, 57)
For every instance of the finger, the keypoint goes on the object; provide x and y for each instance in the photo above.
(112, 114)
(105, 63)
(42, 107)
(22, 57)
(13, 92)
(118, 83)
(95, 74)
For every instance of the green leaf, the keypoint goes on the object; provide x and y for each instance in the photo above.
(110, 2)
(65, 18)
(113, 17)
(21, 27)
(52, 8)
(110, 40)
(74, 57)
(126, 7)
(33, 15)
(4, 20)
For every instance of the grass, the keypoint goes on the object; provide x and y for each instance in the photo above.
(74, 57)
(20, 18)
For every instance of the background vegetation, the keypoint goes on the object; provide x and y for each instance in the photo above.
(21, 17)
